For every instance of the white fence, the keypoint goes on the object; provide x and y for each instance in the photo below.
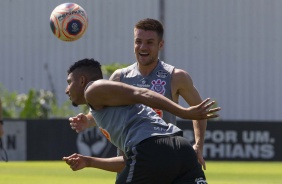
(232, 49)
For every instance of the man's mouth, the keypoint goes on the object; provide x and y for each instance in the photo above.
(143, 54)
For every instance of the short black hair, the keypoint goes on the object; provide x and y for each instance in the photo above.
(88, 67)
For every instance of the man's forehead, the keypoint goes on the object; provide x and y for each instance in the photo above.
(70, 76)
(145, 34)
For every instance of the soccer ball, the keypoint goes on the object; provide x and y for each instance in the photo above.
(68, 21)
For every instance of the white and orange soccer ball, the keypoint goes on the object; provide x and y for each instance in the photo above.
(68, 21)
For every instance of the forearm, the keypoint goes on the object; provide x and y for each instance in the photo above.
(100, 94)
(199, 132)
(114, 164)
(158, 101)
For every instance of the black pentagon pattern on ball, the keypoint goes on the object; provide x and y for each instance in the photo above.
(74, 27)
(52, 25)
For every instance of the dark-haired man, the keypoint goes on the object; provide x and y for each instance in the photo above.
(151, 73)
(124, 115)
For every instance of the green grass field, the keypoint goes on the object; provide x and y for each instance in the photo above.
(57, 172)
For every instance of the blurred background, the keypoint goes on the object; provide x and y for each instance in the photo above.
(232, 50)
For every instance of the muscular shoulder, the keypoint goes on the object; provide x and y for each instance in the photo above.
(119, 73)
(116, 75)
(182, 85)
(181, 78)
(98, 91)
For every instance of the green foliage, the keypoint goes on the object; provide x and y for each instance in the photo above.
(11, 102)
(40, 104)
(109, 69)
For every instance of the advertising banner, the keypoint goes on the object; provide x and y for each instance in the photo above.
(244, 141)
(224, 140)
(14, 140)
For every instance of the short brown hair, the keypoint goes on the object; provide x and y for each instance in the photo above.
(151, 25)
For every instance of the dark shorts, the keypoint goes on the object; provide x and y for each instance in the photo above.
(165, 160)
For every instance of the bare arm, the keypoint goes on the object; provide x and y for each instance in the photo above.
(81, 121)
(115, 76)
(103, 93)
(182, 85)
(77, 162)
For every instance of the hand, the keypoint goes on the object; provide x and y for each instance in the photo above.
(79, 123)
(200, 156)
(76, 161)
(202, 111)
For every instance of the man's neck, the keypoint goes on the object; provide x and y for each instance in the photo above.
(145, 70)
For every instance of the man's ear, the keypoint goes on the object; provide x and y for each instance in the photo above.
(82, 80)
(161, 44)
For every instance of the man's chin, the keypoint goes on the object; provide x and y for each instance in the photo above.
(74, 104)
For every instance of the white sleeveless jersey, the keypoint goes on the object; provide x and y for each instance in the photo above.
(159, 80)
(126, 126)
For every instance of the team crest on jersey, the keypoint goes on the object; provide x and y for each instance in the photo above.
(158, 86)
(162, 73)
